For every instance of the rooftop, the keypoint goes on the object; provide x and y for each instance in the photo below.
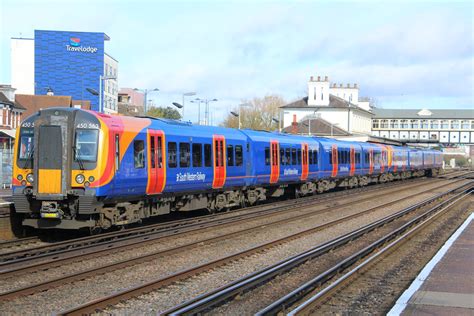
(334, 102)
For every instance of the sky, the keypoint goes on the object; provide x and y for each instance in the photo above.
(403, 54)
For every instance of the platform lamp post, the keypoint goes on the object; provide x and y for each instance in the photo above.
(206, 109)
(179, 106)
(187, 94)
(278, 123)
(145, 92)
(198, 101)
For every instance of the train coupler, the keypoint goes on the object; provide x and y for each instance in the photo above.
(50, 209)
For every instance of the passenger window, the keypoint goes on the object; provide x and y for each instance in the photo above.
(330, 158)
(230, 155)
(299, 156)
(267, 156)
(315, 158)
(293, 156)
(311, 157)
(160, 153)
(172, 162)
(238, 156)
(282, 156)
(288, 156)
(184, 155)
(152, 152)
(197, 155)
(207, 155)
(139, 154)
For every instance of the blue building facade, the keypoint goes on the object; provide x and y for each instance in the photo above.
(70, 63)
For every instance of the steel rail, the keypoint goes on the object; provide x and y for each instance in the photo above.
(400, 235)
(32, 264)
(220, 295)
(158, 283)
(138, 260)
(83, 242)
(11, 243)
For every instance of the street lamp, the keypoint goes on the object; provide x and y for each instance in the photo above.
(206, 109)
(179, 106)
(198, 101)
(240, 106)
(145, 92)
(187, 94)
(278, 123)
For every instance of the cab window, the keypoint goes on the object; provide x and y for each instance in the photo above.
(86, 145)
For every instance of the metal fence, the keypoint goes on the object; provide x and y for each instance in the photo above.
(6, 160)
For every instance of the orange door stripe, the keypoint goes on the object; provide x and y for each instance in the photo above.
(335, 165)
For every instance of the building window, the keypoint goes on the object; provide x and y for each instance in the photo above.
(393, 123)
(455, 124)
(384, 124)
(375, 124)
(434, 124)
(464, 124)
(424, 124)
(404, 123)
(413, 124)
(444, 124)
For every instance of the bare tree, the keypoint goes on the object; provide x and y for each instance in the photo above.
(258, 115)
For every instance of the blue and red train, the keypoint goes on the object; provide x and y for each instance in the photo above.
(81, 169)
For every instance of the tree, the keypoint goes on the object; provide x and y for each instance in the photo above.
(162, 112)
(258, 115)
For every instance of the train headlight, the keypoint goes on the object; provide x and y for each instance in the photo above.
(30, 178)
(19, 177)
(80, 178)
(91, 179)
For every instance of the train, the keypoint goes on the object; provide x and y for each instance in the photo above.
(79, 169)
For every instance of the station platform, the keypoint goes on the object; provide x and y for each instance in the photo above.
(445, 286)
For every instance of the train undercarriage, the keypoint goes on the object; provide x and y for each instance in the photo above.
(83, 212)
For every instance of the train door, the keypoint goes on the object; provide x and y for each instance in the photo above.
(352, 158)
(156, 164)
(371, 160)
(274, 161)
(219, 161)
(383, 160)
(50, 160)
(304, 161)
(334, 161)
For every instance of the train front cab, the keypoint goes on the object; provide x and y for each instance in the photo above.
(54, 166)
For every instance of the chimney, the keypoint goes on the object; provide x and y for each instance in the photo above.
(319, 78)
(348, 85)
(340, 85)
(311, 78)
(326, 78)
(294, 125)
(355, 85)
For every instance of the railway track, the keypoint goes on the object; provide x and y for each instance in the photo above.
(215, 298)
(136, 291)
(17, 243)
(362, 262)
(146, 234)
(16, 272)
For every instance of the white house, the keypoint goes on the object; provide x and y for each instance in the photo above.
(335, 104)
